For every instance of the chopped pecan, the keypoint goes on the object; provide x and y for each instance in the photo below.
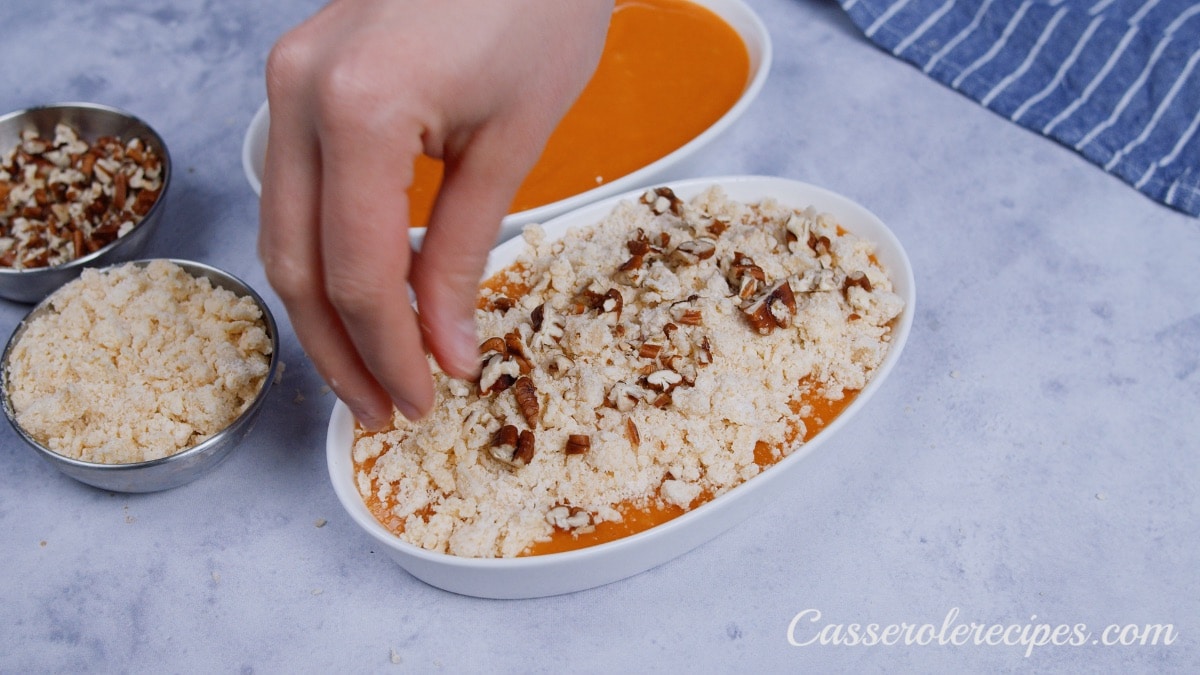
(797, 227)
(694, 250)
(625, 396)
(745, 276)
(686, 312)
(649, 350)
(612, 303)
(513, 447)
(664, 379)
(504, 444)
(578, 444)
(516, 351)
(820, 245)
(525, 448)
(705, 356)
(690, 317)
(537, 316)
(639, 245)
(663, 199)
(773, 310)
(64, 198)
(527, 400)
(512, 341)
(497, 375)
(632, 271)
(857, 279)
(717, 227)
(493, 345)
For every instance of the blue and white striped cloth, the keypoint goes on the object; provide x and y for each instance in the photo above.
(1117, 80)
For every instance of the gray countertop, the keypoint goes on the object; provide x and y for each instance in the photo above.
(1032, 460)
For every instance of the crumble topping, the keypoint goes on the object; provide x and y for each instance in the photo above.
(137, 362)
(638, 361)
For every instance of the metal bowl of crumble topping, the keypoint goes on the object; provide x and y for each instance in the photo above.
(126, 412)
(81, 185)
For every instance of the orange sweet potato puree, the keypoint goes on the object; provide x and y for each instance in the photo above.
(669, 70)
(815, 410)
(641, 517)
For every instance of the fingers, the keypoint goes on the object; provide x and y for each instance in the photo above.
(475, 195)
(367, 165)
(290, 245)
(347, 124)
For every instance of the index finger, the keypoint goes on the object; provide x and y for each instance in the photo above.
(366, 254)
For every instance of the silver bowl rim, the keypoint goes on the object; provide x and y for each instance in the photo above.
(201, 448)
(83, 261)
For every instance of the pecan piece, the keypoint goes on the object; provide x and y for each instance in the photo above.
(649, 350)
(625, 396)
(504, 443)
(639, 245)
(537, 316)
(512, 447)
(525, 448)
(717, 227)
(686, 312)
(745, 276)
(493, 344)
(797, 227)
(773, 310)
(690, 317)
(612, 303)
(578, 444)
(705, 356)
(858, 279)
(663, 199)
(498, 375)
(527, 401)
(694, 250)
(664, 379)
(516, 351)
(820, 245)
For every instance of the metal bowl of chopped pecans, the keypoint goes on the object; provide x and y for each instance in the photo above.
(81, 185)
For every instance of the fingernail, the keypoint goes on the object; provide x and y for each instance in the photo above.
(371, 420)
(370, 414)
(466, 346)
(408, 410)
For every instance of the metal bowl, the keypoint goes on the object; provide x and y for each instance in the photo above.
(174, 470)
(91, 121)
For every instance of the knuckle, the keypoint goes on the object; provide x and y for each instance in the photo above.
(292, 282)
(343, 85)
(287, 63)
(352, 297)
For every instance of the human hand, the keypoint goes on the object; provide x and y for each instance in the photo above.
(356, 93)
